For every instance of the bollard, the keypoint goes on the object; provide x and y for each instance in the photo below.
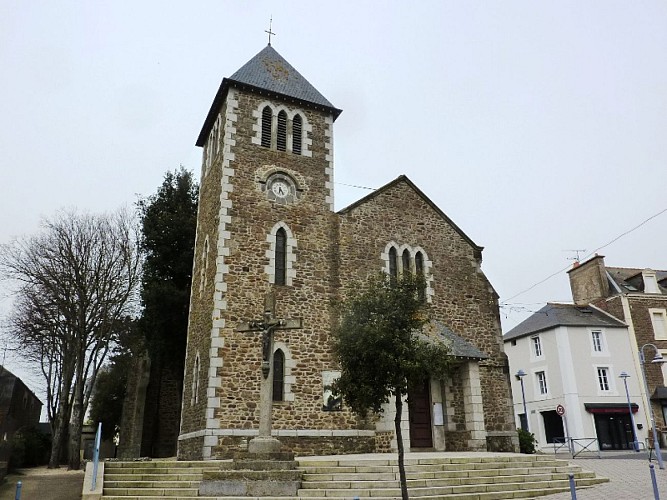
(573, 487)
(656, 494)
(19, 485)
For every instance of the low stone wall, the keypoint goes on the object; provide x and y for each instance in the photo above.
(302, 445)
(502, 442)
(457, 440)
(383, 441)
(191, 449)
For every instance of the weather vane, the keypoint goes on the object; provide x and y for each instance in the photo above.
(269, 30)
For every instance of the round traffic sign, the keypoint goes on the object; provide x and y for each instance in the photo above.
(560, 409)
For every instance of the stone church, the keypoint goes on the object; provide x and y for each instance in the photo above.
(266, 223)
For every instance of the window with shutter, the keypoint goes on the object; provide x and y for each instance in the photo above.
(296, 134)
(281, 141)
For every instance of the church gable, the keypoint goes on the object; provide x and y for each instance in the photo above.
(401, 194)
(396, 227)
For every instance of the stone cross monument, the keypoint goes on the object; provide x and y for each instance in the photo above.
(264, 442)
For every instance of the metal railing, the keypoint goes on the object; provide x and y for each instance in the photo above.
(96, 456)
(576, 446)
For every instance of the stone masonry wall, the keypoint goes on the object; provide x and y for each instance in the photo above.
(241, 288)
(332, 253)
(462, 296)
(641, 320)
(193, 412)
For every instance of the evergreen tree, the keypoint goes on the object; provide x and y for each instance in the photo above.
(168, 222)
(381, 349)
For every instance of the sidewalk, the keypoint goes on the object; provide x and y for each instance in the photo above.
(40, 483)
(628, 473)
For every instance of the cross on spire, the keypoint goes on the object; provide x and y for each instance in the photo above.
(269, 30)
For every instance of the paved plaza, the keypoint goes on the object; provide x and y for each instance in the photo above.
(628, 473)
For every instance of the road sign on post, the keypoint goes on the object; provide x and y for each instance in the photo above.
(560, 409)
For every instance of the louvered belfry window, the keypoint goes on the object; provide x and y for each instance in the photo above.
(266, 127)
(278, 375)
(296, 135)
(281, 257)
(281, 143)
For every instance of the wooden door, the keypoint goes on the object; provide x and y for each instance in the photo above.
(419, 409)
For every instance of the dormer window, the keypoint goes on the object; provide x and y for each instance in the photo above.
(650, 281)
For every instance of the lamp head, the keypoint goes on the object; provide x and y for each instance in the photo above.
(658, 359)
(624, 375)
(520, 374)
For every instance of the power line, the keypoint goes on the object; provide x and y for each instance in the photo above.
(590, 254)
(354, 186)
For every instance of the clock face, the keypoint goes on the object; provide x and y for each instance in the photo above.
(280, 188)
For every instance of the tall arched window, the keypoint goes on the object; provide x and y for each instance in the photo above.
(393, 263)
(266, 126)
(281, 142)
(296, 135)
(281, 257)
(278, 375)
(419, 270)
(405, 257)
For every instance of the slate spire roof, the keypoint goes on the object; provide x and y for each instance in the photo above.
(268, 72)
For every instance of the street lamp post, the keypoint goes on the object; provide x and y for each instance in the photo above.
(635, 442)
(657, 359)
(519, 375)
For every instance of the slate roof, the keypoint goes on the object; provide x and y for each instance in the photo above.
(270, 73)
(553, 315)
(460, 348)
(629, 279)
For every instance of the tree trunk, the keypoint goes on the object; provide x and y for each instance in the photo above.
(75, 423)
(76, 420)
(58, 438)
(399, 442)
(62, 417)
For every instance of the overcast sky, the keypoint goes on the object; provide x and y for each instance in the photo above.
(538, 127)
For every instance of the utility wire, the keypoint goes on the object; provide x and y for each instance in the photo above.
(590, 254)
(354, 186)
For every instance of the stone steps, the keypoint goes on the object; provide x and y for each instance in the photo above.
(462, 478)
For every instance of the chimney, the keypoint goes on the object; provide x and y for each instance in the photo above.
(588, 281)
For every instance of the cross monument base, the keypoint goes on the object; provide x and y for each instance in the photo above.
(263, 444)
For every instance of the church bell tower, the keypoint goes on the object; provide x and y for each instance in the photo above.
(265, 224)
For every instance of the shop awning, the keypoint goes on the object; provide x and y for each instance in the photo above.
(610, 408)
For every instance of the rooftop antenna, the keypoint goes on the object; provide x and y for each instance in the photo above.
(577, 251)
(269, 30)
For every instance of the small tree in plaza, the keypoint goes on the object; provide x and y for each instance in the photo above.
(381, 349)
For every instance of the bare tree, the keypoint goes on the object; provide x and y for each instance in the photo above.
(76, 279)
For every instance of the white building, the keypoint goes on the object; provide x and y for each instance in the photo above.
(573, 356)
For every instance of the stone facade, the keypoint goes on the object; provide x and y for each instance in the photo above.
(328, 254)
